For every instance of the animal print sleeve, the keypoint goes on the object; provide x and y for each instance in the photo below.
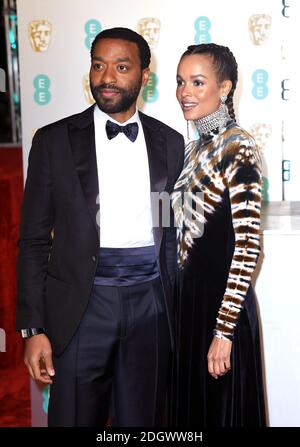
(242, 177)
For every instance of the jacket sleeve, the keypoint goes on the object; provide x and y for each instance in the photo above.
(37, 221)
(242, 177)
(177, 146)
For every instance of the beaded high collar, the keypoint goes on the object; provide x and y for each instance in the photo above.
(213, 121)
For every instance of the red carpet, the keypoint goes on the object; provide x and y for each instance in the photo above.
(15, 407)
(14, 380)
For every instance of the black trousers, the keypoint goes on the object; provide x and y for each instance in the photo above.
(118, 360)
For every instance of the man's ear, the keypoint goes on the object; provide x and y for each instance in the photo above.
(145, 76)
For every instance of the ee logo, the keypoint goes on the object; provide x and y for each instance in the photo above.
(42, 95)
(202, 27)
(260, 89)
(150, 92)
(285, 9)
(265, 189)
(286, 170)
(45, 397)
(285, 89)
(91, 28)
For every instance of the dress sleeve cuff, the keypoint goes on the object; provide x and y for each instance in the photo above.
(220, 335)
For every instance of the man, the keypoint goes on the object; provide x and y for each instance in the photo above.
(94, 283)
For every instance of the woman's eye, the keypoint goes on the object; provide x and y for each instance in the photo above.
(179, 82)
(197, 83)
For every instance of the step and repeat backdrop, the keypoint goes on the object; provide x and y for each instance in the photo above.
(54, 48)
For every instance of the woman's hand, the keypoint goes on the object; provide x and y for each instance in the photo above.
(218, 357)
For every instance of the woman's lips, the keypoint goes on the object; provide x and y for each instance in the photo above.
(186, 105)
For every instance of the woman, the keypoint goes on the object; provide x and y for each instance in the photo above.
(216, 201)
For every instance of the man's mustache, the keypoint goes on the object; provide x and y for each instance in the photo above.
(105, 86)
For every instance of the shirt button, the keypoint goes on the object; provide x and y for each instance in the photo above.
(94, 258)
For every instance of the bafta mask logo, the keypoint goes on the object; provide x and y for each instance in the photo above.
(39, 35)
(149, 28)
(86, 89)
(261, 133)
(259, 28)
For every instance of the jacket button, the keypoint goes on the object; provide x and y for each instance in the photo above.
(94, 258)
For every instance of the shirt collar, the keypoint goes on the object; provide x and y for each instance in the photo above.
(103, 117)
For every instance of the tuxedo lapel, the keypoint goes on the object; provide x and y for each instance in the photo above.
(82, 138)
(158, 166)
(157, 158)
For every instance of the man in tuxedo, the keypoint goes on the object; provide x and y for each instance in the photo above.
(95, 274)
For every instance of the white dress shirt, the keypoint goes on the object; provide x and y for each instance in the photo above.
(124, 186)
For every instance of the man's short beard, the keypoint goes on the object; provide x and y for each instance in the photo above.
(126, 98)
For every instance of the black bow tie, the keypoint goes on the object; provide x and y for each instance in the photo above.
(130, 130)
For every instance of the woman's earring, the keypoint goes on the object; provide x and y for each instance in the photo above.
(224, 115)
(223, 98)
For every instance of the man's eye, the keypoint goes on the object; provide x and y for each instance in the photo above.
(122, 68)
(97, 66)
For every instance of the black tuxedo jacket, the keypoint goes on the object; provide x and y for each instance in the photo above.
(56, 268)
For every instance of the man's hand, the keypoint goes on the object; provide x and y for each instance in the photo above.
(218, 357)
(38, 358)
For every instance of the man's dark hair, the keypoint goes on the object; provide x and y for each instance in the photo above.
(130, 36)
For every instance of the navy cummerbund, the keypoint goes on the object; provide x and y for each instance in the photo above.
(126, 266)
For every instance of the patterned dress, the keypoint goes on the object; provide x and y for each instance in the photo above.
(216, 203)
